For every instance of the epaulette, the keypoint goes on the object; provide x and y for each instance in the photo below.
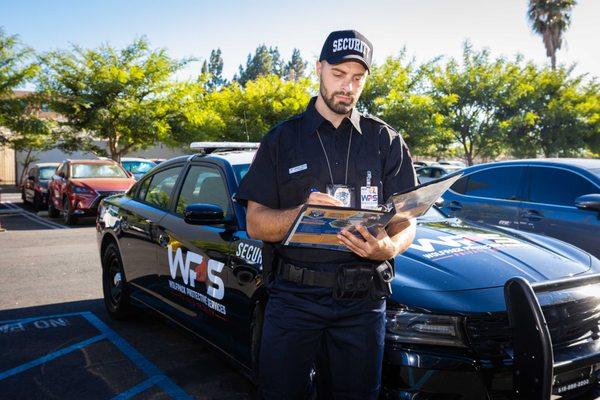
(377, 119)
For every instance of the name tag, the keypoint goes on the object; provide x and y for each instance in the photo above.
(298, 168)
(369, 197)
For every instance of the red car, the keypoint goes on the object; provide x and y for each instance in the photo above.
(78, 186)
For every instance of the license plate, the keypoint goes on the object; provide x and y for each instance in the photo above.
(573, 380)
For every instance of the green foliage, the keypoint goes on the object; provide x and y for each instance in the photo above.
(398, 92)
(213, 68)
(265, 61)
(240, 113)
(296, 67)
(19, 123)
(115, 95)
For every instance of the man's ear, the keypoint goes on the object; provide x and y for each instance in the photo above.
(318, 67)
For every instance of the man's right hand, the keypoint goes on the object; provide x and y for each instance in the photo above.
(323, 199)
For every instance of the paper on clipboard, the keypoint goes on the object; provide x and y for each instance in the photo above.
(317, 226)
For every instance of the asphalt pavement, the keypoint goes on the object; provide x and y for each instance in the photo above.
(57, 341)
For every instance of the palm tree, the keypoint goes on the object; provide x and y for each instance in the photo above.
(550, 18)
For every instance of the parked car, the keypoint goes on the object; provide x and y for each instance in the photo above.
(555, 197)
(35, 188)
(177, 243)
(426, 174)
(157, 160)
(417, 164)
(138, 167)
(458, 164)
(78, 186)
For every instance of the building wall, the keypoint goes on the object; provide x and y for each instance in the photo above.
(7, 166)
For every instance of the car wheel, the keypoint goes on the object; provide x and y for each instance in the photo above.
(37, 202)
(52, 211)
(67, 212)
(114, 284)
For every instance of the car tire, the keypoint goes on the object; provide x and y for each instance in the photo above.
(67, 212)
(37, 202)
(114, 284)
(52, 211)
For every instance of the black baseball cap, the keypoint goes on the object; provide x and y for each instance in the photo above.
(348, 45)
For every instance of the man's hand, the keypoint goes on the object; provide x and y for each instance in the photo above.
(378, 248)
(323, 199)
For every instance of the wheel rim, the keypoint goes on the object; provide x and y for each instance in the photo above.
(115, 281)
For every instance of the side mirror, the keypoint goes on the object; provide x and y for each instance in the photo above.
(203, 214)
(588, 202)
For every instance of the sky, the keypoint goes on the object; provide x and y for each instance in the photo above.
(426, 28)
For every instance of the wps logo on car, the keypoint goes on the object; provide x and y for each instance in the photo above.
(206, 271)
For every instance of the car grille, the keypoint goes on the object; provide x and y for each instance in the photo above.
(106, 193)
(567, 322)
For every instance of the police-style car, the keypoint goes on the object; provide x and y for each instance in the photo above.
(478, 312)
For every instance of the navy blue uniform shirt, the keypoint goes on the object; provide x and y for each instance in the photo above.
(290, 161)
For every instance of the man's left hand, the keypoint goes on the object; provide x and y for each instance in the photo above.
(378, 248)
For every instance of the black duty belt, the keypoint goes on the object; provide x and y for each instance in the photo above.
(307, 276)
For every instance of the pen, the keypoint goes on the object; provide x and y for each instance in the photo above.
(312, 190)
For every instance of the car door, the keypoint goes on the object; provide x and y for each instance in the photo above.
(193, 259)
(29, 185)
(140, 238)
(491, 195)
(550, 208)
(59, 181)
(424, 174)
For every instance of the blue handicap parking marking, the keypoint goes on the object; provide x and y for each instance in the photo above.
(26, 336)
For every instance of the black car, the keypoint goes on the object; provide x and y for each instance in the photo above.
(35, 188)
(478, 312)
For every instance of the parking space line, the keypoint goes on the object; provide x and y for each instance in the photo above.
(49, 357)
(34, 217)
(155, 375)
(166, 384)
(137, 389)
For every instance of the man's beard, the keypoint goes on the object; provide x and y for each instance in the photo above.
(341, 108)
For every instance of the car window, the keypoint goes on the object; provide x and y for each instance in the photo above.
(496, 183)
(557, 186)
(160, 187)
(203, 185)
(240, 171)
(80, 171)
(424, 172)
(460, 186)
(138, 167)
(47, 172)
(437, 172)
(61, 169)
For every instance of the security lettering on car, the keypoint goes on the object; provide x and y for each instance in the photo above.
(176, 243)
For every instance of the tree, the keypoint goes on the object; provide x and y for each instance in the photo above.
(265, 61)
(120, 96)
(553, 113)
(550, 19)
(17, 114)
(469, 101)
(296, 67)
(241, 113)
(214, 69)
(397, 92)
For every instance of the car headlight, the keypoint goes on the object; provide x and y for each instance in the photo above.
(81, 190)
(419, 328)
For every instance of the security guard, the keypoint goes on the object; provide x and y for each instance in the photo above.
(327, 305)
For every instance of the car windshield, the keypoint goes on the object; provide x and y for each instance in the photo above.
(47, 172)
(138, 167)
(97, 171)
